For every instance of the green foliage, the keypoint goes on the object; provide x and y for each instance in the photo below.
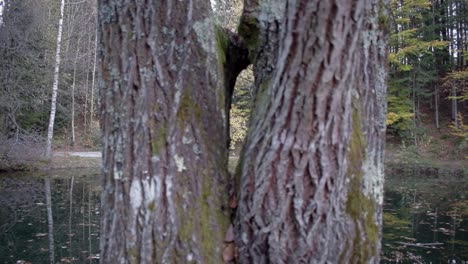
(461, 132)
(408, 154)
(457, 79)
(400, 107)
(240, 109)
(238, 124)
(413, 72)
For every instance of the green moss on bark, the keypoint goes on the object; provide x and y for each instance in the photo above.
(188, 108)
(209, 208)
(384, 23)
(160, 140)
(359, 207)
(222, 42)
(249, 30)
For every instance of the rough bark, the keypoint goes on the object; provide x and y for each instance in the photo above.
(311, 174)
(53, 103)
(163, 122)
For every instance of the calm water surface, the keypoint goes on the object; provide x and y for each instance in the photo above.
(425, 220)
(74, 207)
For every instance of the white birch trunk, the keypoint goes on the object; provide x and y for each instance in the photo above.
(50, 132)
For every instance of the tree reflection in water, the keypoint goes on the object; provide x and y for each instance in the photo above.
(425, 220)
(50, 218)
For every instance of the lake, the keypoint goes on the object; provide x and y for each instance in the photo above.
(74, 207)
(425, 219)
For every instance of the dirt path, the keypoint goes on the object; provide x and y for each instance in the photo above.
(87, 154)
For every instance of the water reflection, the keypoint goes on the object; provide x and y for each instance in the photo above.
(55, 218)
(425, 221)
(50, 218)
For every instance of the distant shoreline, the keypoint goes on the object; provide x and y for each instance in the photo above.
(92, 159)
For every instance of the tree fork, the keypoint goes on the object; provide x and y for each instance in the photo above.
(236, 60)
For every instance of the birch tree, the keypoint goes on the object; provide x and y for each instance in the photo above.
(53, 104)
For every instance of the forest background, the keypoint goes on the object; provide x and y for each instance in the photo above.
(427, 86)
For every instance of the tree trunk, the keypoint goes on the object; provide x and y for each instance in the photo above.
(73, 94)
(311, 174)
(87, 64)
(454, 106)
(162, 107)
(413, 100)
(436, 103)
(91, 108)
(50, 131)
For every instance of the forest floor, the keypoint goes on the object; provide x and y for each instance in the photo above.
(435, 152)
(435, 148)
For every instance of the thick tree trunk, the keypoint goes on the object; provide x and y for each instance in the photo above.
(311, 175)
(50, 131)
(162, 115)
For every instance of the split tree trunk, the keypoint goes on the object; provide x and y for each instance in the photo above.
(50, 131)
(162, 116)
(311, 175)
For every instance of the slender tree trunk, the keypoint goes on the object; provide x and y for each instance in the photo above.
(311, 175)
(91, 108)
(162, 110)
(85, 115)
(436, 103)
(50, 131)
(454, 106)
(50, 220)
(415, 137)
(73, 93)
